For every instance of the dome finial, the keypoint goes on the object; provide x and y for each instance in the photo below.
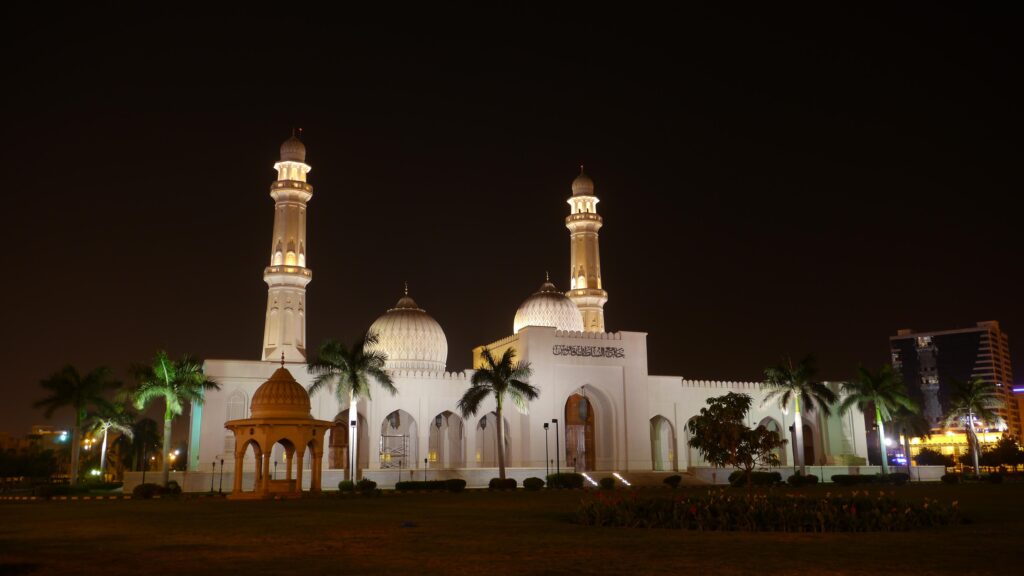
(406, 287)
(282, 359)
(547, 276)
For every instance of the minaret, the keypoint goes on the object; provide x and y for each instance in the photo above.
(284, 334)
(583, 222)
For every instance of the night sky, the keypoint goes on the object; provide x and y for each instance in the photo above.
(772, 183)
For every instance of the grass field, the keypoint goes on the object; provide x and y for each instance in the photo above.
(475, 533)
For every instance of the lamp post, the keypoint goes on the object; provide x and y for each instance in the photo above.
(558, 465)
(214, 473)
(274, 477)
(220, 487)
(424, 469)
(547, 468)
(353, 457)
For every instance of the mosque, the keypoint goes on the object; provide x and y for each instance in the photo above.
(599, 409)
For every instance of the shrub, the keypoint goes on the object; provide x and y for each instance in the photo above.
(455, 484)
(533, 484)
(719, 510)
(565, 480)
(422, 485)
(897, 478)
(366, 486)
(853, 479)
(499, 484)
(951, 478)
(995, 478)
(739, 478)
(346, 486)
(929, 457)
(798, 479)
(173, 488)
(606, 483)
(146, 491)
(673, 481)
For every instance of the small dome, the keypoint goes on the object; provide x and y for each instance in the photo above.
(411, 338)
(548, 307)
(582, 185)
(293, 150)
(280, 397)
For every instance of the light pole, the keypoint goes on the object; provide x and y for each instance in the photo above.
(220, 487)
(547, 468)
(214, 473)
(558, 466)
(424, 469)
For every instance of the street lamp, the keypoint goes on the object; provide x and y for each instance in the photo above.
(220, 487)
(213, 473)
(424, 469)
(547, 468)
(558, 466)
(274, 477)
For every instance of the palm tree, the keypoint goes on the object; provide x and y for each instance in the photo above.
(974, 399)
(176, 383)
(110, 416)
(910, 424)
(80, 393)
(145, 438)
(786, 381)
(885, 392)
(349, 371)
(499, 378)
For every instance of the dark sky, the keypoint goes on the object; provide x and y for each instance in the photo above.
(772, 183)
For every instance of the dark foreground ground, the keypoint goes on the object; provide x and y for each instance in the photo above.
(475, 533)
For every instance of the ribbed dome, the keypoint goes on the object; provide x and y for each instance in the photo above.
(582, 185)
(293, 150)
(411, 339)
(548, 307)
(280, 397)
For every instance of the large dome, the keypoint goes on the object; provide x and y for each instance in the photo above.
(411, 339)
(280, 397)
(548, 307)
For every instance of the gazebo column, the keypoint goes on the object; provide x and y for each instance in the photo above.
(265, 488)
(314, 481)
(237, 482)
(298, 470)
(289, 456)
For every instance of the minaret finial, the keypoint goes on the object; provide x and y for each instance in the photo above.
(406, 287)
(547, 276)
(282, 359)
(581, 167)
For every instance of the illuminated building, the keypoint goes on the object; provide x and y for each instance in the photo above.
(929, 361)
(612, 414)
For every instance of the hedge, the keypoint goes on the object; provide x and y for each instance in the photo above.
(565, 480)
(739, 478)
(502, 484)
(533, 484)
(422, 485)
(673, 481)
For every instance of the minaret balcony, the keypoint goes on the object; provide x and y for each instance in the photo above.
(584, 216)
(292, 185)
(285, 270)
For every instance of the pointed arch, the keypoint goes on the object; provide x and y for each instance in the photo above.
(663, 444)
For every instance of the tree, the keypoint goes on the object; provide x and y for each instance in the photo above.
(722, 437)
(883, 391)
(79, 392)
(176, 383)
(1006, 452)
(110, 416)
(145, 439)
(349, 372)
(973, 400)
(499, 379)
(910, 424)
(787, 382)
(929, 457)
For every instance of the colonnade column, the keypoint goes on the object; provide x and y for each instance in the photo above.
(265, 488)
(298, 470)
(237, 482)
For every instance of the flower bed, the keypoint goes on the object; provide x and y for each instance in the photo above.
(718, 510)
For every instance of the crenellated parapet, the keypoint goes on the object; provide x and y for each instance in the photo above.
(463, 376)
(724, 384)
(590, 335)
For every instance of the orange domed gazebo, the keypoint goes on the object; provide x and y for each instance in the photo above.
(280, 414)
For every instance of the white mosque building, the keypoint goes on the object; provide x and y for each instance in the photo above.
(612, 414)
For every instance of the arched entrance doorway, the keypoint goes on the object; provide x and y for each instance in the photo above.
(772, 425)
(693, 456)
(663, 444)
(399, 441)
(809, 459)
(445, 441)
(487, 441)
(337, 447)
(580, 447)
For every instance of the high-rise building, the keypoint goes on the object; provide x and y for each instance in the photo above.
(930, 361)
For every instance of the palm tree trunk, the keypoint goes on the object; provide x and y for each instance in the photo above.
(501, 442)
(906, 452)
(798, 437)
(353, 436)
(166, 456)
(975, 448)
(881, 441)
(103, 456)
(76, 430)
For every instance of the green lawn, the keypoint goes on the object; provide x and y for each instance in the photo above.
(475, 533)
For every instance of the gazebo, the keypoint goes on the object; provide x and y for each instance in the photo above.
(279, 414)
